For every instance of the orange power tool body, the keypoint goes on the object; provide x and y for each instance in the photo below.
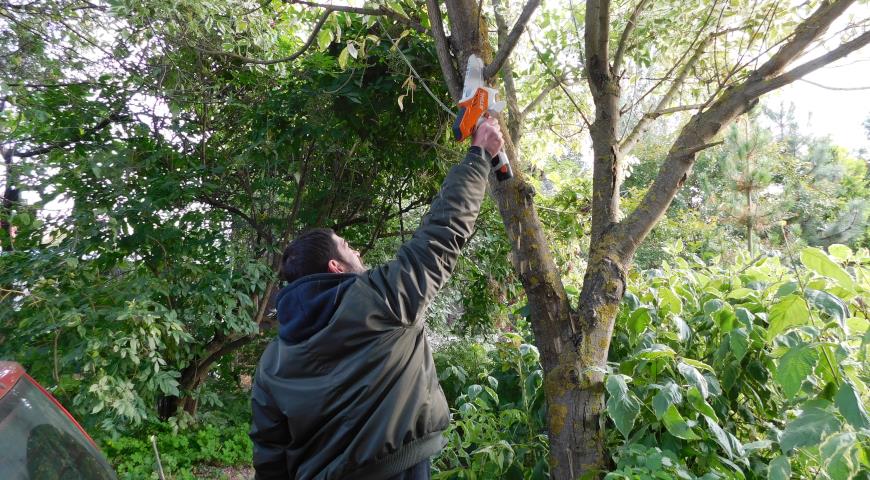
(478, 102)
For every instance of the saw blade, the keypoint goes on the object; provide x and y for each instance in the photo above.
(473, 76)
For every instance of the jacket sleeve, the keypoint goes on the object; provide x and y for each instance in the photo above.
(270, 436)
(425, 262)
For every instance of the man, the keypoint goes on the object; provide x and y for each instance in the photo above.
(348, 390)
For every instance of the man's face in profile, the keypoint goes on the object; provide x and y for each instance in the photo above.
(350, 258)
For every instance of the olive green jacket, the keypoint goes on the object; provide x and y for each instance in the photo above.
(359, 398)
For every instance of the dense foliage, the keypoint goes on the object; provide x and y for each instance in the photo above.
(753, 369)
(157, 155)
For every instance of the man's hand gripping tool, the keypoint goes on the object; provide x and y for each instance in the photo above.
(478, 102)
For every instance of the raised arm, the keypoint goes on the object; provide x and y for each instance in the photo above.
(425, 262)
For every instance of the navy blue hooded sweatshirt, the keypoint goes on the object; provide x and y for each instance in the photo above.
(306, 305)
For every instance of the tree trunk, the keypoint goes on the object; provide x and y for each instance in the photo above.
(193, 376)
(574, 345)
(550, 312)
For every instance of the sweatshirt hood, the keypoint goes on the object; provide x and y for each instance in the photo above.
(306, 305)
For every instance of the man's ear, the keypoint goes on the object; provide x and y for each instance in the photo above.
(334, 266)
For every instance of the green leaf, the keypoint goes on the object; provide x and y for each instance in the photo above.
(808, 429)
(694, 377)
(701, 405)
(745, 316)
(779, 469)
(623, 406)
(677, 425)
(474, 390)
(794, 367)
(669, 394)
(720, 436)
(639, 320)
(22, 218)
(830, 304)
(819, 262)
(759, 445)
(739, 342)
(342, 58)
(740, 293)
(836, 452)
(711, 306)
(840, 252)
(698, 364)
(683, 329)
(324, 38)
(725, 319)
(670, 301)
(397, 6)
(658, 350)
(851, 407)
(788, 312)
(787, 288)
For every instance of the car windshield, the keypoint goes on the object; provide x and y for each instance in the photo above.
(39, 442)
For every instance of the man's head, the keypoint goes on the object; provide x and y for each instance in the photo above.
(318, 250)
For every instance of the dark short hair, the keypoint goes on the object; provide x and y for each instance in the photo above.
(309, 253)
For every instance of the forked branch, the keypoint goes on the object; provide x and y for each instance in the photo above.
(736, 100)
(443, 50)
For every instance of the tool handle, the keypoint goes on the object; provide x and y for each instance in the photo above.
(501, 166)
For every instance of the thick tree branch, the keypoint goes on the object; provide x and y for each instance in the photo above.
(290, 58)
(626, 33)
(735, 101)
(813, 65)
(504, 51)
(596, 43)
(514, 120)
(679, 108)
(380, 11)
(443, 50)
(605, 87)
(806, 33)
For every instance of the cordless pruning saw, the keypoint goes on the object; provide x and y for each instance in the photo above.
(478, 102)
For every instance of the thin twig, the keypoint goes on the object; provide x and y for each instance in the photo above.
(561, 84)
(290, 58)
(833, 88)
(157, 456)
(380, 11)
(422, 82)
